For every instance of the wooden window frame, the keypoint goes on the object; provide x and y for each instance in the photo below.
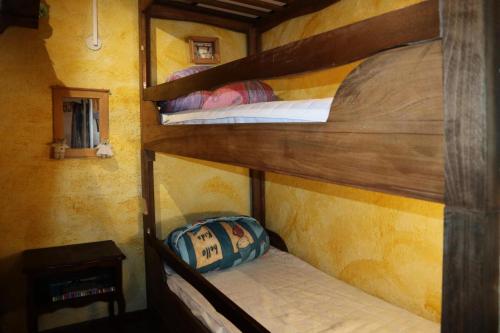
(58, 95)
(200, 39)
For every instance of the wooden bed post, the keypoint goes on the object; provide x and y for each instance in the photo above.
(471, 32)
(147, 157)
(148, 222)
(257, 178)
(148, 192)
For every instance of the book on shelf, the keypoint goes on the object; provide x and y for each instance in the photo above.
(82, 293)
(81, 287)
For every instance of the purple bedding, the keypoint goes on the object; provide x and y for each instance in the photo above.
(237, 93)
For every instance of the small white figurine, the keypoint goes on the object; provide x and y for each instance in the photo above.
(104, 149)
(59, 147)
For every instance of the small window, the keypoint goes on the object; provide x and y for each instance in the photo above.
(80, 121)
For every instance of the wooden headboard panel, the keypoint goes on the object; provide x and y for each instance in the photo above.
(385, 131)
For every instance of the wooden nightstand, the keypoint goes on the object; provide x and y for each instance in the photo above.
(72, 276)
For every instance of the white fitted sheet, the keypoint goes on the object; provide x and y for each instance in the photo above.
(285, 294)
(301, 111)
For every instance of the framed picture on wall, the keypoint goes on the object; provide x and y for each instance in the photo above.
(204, 50)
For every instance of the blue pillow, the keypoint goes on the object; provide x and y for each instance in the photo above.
(219, 242)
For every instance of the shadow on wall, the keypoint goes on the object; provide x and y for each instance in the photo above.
(26, 73)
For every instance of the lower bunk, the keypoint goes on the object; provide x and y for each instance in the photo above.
(280, 292)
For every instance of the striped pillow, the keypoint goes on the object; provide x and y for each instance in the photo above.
(219, 243)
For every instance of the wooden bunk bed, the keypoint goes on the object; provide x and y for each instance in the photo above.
(435, 138)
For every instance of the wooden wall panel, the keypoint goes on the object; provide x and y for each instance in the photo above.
(388, 140)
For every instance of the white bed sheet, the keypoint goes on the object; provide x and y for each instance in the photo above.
(302, 111)
(285, 294)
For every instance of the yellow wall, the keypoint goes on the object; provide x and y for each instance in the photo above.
(187, 189)
(388, 246)
(46, 202)
(171, 52)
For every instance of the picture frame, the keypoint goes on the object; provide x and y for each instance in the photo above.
(204, 50)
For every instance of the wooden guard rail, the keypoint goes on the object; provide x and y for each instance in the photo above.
(333, 48)
(219, 301)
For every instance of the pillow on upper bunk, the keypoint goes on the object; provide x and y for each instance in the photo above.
(220, 242)
(245, 92)
(193, 101)
(187, 71)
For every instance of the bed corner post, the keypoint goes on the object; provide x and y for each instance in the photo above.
(257, 178)
(149, 229)
(258, 195)
(254, 44)
(471, 33)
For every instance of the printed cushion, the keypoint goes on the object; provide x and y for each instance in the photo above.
(220, 242)
(238, 93)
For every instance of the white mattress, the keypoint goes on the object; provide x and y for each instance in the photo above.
(302, 111)
(285, 294)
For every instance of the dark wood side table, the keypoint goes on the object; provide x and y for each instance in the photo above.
(72, 276)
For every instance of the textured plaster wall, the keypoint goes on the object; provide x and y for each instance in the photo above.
(46, 202)
(187, 189)
(170, 50)
(388, 246)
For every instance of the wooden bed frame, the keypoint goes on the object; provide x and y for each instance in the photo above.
(434, 138)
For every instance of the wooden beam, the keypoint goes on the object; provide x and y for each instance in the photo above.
(263, 4)
(191, 14)
(334, 48)
(233, 7)
(292, 10)
(471, 32)
(188, 10)
(257, 178)
(371, 141)
(253, 41)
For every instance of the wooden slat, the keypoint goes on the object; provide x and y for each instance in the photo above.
(471, 33)
(181, 13)
(294, 9)
(233, 7)
(262, 4)
(193, 7)
(333, 48)
(364, 143)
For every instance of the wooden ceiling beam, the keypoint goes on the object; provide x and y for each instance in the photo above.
(262, 4)
(233, 7)
(292, 10)
(169, 12)
(193, 7)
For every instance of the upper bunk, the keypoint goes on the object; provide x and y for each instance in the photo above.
(385, 128)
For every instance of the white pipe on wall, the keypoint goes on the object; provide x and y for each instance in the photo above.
(93, 42)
